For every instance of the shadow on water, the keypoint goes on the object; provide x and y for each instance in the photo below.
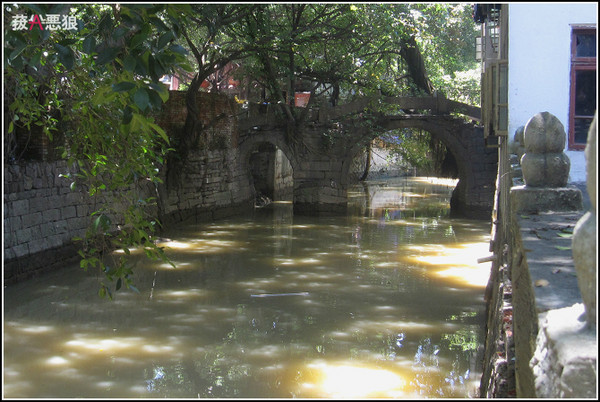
(384, 302)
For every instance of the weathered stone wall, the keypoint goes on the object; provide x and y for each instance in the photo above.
(284, 178)
(42, 213)
(213, 185)
(537, 343)
(212, 182)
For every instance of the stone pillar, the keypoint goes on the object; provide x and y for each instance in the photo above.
(584, 235)
(545, 169)
(320, 187)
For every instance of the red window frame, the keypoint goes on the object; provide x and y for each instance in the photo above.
(578, 64)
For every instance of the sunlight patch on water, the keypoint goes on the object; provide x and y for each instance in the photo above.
(459, 262)
(187, 294)
(104, 345)
(436, 180)
(29, 329)
(401, 326)
(350, 381)
(204, 246)
(56, 361)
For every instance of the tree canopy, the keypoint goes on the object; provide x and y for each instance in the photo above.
(94, 87)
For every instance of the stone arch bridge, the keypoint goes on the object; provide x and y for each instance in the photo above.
(322, 153)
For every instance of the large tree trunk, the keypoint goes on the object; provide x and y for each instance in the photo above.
(416, 65)
(367, 163)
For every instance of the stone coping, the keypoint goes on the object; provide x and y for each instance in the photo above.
(565, 359)
(526, 199)
(547, 246)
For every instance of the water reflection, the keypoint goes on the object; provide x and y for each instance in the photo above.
(386, 302)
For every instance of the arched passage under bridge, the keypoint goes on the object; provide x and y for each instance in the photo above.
(476, 163)
(322, 164)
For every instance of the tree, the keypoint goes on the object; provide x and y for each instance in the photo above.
(118, 54)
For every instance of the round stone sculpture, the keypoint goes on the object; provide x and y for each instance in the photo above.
(544, 133)
(545, 170)
(544, 164)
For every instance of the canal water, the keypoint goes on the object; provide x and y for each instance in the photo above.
(386, 302)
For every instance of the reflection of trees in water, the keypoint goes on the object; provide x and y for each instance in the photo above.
(443, 363)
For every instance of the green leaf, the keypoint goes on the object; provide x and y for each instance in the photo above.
(119, 32)
(155, 99)
(65, 55)
(165, 38)
(107, 55)
(89, 44)
(141, 98)
(35, 60)
(129, 63)
(137, 40)
(101, 222)
(18, 50)
(123, 86)
(162, 90)
(178, 49)
(119, 282)
(160, 131)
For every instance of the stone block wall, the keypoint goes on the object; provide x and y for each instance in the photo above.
(213, 185)
(212, 182)
(42, 213)
(284, 178)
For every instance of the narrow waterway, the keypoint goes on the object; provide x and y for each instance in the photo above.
(385, 302)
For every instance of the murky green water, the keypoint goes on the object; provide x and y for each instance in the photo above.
(386, 302)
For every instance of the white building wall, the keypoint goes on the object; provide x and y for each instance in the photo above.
(539, 64)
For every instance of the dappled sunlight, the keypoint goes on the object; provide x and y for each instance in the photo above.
(202, 246)
(400, 325)
(27, 328)
(177, 245)
(435, 180)
(183, 295)
(268, 306)
(297, 261)
(348, 381)
(458, 262)
(474, 276)
(91, 344)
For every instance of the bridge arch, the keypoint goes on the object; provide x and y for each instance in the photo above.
(272, 146)
(476, 164)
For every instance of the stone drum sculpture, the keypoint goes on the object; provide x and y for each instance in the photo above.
(545, 169)
(544, 163)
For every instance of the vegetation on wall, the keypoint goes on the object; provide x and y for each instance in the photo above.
(98, 84)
